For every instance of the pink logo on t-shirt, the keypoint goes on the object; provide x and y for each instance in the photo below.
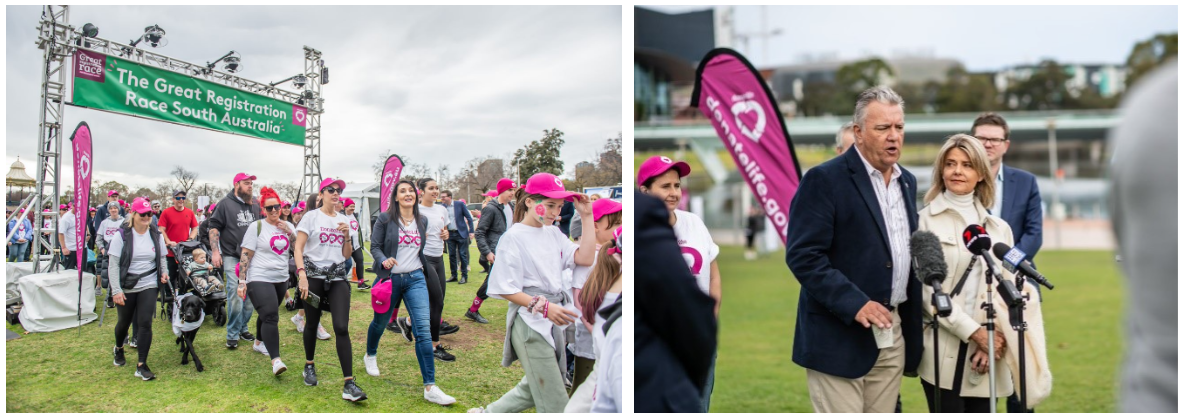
(405, 239)
(697, 261)
(354, 224)
(279, 243)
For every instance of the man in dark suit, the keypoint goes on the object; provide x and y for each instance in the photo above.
(859, 319)
(675, 333)
(1017, 200)
(461, 226)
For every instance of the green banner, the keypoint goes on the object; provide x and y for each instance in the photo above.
(114, 84)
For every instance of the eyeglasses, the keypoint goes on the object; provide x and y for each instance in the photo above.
(331, 190)
(147, 214)
(179, 198)
(272, 208)
(992, 141)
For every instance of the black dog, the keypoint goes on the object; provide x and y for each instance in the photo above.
(191, 311)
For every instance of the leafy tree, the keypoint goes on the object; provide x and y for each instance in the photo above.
(1045, 89)
(1148, 54)
(966, 92)
(542, 155)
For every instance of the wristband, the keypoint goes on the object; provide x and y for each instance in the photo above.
(546, 306)
(299, 270)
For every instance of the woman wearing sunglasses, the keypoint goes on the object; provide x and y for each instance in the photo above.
(264, 264)
(136, 263)
(322, 247)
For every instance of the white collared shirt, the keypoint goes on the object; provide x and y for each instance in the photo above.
(893, 210)
(999, 198)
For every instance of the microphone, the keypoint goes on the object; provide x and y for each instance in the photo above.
(931, 268)
(978, 242)
(1014, 260)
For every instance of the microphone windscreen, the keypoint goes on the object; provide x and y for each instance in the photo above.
(927, 254)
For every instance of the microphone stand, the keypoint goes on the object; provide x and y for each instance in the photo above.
(1017, 320)
(990, 311)
(935, 350)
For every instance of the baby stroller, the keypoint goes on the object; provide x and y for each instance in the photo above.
(215, 299)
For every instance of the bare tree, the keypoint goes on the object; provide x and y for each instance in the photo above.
(288, 191)
(185, 179)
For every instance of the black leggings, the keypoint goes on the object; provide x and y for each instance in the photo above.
(482, 289)
(338, 293)
(357, 256)
(138, 306)
(265, 297)
(434, 276)
(951, 401)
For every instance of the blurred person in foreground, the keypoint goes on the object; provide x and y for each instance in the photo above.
(1144, 208)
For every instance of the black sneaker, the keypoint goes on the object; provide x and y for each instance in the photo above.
(131, 341)
(232, 344)
(476, 317)
(464, 280)
(394, 327)
(119, 357)
(406, 328)
(362, 285)
(310, 375)
(247, 336)
(351, 392)
(441, 354)
(447, 328)
(142, 372)
(110, 303)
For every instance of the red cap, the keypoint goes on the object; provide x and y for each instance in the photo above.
(657, 165)
(548, 185)
(242, 176)
(605, 206)
(504, 184)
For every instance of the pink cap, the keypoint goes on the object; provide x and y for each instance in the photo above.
(347, 202)
(330, 181)
(657, 165)
(64, 207)
(211, 208)
(112, 193)
(243, 176)
(381, 296)
(94, 209)
(491, 193)
(140, 205)
(122, 203)
(504, 184)
(548, 185)
(285, 204)
(605, 206)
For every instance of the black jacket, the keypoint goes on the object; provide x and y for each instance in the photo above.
(231, 217)
(386, 233)
(491, 226)
(675, 335)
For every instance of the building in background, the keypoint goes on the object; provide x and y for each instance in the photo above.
(665, 65)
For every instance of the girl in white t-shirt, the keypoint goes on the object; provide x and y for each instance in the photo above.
(659, 177)
(607, 216)
(532, 255)
(264, 264)
(603, 287)
(322, 247)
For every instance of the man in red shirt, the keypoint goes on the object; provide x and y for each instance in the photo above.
(178, 224)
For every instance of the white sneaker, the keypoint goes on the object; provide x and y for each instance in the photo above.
(278, 367)
(476, 410)
(437, 396)
(321, 333)
(300, 322)
(372, 364)
(260, 348)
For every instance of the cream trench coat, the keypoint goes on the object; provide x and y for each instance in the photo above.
(946, 223)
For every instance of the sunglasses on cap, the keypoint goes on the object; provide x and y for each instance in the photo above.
(272, 208)
(331, 190)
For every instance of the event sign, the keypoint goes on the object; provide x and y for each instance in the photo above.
(733, 95)
(123, 86)
(391, 172)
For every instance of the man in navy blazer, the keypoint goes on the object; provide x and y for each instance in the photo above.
(1017, 200)
(461, 226)
(848, 246)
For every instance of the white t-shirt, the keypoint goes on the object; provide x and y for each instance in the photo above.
(510, 215)
(354, 231)
(696, 245)
(143, 251)
(607, 397)
(269, 264)
(67, 229)
(109, 229)
(20, 229)
(437, 220)
(532, 257)
(407, 253)
(583, 346)
(324, 246)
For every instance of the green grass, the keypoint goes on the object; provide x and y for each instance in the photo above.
(69, 371)
(755, 374)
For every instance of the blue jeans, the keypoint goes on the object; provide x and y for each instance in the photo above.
(16, 251)
(238, 311)
(412, 289)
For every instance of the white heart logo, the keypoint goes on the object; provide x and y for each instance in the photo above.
(299, 115)
(85, 164)
(558, 182)
(665, 159)
(743, 107)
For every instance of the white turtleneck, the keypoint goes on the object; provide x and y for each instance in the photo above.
(966, 206)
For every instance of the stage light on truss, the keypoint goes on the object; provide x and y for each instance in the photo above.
(308, 94)
(90, 30)
(232, 62)
(155, 35)
(299, 81)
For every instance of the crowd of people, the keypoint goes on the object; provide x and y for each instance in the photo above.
(851, 221)
(262, 253)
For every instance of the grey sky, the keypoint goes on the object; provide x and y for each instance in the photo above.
(437, 85)
(983, 37)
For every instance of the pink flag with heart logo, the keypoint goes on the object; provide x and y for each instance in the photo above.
(732, 94)
(391, 171)
(82, 188)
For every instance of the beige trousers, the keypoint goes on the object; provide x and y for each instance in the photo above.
(876, 392)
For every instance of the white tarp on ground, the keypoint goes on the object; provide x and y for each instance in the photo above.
(51, 300)
(14, 271)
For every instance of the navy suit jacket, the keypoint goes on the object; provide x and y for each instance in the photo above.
(838, 250)
(462, 218)
(1021, 207)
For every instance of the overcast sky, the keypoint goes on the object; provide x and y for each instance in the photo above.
(436, 85)
(982, 37)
